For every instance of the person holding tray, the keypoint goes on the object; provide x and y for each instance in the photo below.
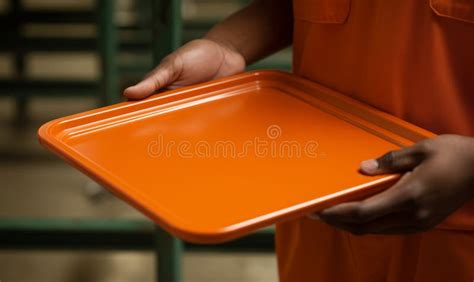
(412, 59)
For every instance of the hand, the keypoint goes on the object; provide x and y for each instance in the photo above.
(438, 179)
(197, 61)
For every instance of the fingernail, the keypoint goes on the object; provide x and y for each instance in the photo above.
(313, 216)
(369, 166)
(130, 88)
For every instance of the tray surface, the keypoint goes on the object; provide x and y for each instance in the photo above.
(215, 161)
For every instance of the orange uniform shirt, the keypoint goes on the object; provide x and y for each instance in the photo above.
(410, 58)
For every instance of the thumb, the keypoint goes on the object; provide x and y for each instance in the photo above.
(394, 161)
(160, 77)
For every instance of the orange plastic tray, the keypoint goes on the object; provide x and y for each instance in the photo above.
(215, 161)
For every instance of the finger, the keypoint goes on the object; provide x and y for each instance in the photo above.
(391, 224)
(394, 199)
(162, 76)
(394, 161)
(401, 230)
(313, 216)
(386, 225)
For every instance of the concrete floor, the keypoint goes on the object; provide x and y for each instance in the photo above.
(34, 183)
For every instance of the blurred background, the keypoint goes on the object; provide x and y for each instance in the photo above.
(62, 57)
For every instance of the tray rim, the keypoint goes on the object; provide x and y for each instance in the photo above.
(50, 140)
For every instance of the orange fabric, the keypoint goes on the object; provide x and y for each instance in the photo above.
(413, 59)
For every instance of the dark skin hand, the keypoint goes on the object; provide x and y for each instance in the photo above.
(438, 179)
(258, 30)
